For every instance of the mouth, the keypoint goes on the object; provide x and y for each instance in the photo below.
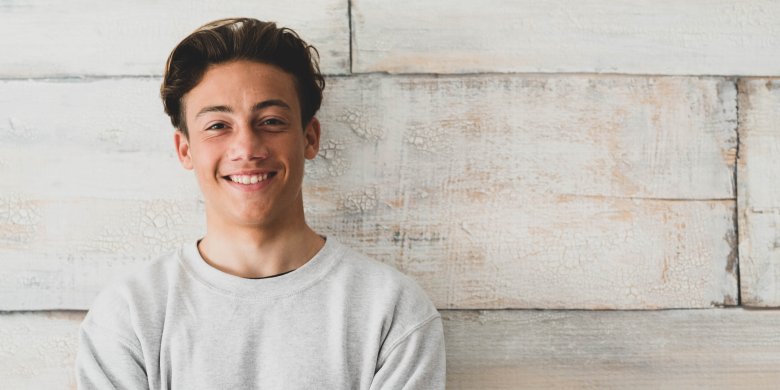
(250, 179)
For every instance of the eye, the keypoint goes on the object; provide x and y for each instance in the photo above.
(272, 122)
(216, 126)
(273, 125)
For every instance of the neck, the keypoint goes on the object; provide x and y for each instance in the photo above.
(257, 252)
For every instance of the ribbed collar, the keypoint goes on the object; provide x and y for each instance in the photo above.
(291, 283)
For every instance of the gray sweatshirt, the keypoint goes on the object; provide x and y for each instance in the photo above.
(341, 321)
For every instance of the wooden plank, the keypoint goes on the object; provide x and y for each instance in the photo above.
(536, 192)
(38, 349)
(90, 190)
(719, 37)
(713, 349)
(758, 176)
(673, 349)
(493, 192)
(82, 37)
(514, 251)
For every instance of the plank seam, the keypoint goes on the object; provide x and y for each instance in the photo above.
(84, 78)
(648, 198)
(88, 76)
(564, 310)
(737, 270)
(351, 33)
(573, 73)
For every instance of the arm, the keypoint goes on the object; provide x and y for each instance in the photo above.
(108, 361)
(415, 361)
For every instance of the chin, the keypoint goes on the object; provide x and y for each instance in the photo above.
(252, 221)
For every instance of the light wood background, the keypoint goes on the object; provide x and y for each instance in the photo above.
(586, 190)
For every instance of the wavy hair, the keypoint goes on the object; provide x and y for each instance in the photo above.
(235, 39)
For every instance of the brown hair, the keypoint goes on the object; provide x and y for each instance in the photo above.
(228, 40)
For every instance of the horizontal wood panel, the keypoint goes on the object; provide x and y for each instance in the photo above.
(54, 38)
(525, 192)
(60, 253)
(638, 37)
(638, 137)
(758, 176)
(536, 192)
(714, 349)
(665, 137)
(677, 349)
(514, 251)
(38, 349)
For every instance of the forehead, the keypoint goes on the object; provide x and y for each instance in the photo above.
(240, 85)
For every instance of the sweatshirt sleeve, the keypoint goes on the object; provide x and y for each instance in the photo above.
(107, 361)
(415, 361)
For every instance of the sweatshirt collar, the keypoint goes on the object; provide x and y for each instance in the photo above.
(290, 283)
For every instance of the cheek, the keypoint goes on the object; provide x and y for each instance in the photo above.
(205, 162)
(297, 158)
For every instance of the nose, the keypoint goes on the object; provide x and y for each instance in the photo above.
(247, 144)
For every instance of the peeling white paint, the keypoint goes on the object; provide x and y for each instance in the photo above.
(719, 37)
(577, 191)
(122, 38)
(758, 176)
(669, 349)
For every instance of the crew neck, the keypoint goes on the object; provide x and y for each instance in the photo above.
(289, 283)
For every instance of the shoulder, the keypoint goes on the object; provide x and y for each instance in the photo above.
(393, 304)
(384, 286)
(125, 301)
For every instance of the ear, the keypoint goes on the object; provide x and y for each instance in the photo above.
(182, 149)
(312, 135)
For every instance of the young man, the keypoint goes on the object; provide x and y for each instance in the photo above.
(261, 301)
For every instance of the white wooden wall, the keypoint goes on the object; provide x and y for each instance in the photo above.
(603, 161)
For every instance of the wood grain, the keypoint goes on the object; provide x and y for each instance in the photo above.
(636, 37)
(86, 195)
(53, 38)
(507, 349)
(493, 192)
(673, 349)
(38, 349)
(536, 192)
(758, 176)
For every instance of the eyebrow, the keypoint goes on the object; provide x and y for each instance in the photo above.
(256, 107)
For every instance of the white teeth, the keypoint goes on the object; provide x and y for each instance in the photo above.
(248, 179)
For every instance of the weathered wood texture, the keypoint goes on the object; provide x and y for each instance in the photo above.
(38, 349)
(713, 349)
(676, 349)
(493, 192)
(640, 37)
(85, 195)
(536, 192)
(758, 178)
(114, 37)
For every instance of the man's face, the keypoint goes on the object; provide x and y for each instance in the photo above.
(247, 144)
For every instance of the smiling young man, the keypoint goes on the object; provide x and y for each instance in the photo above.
(261, 301)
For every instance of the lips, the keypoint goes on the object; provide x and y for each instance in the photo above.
(249, 178)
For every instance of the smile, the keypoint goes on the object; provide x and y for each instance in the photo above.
(249, 179)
